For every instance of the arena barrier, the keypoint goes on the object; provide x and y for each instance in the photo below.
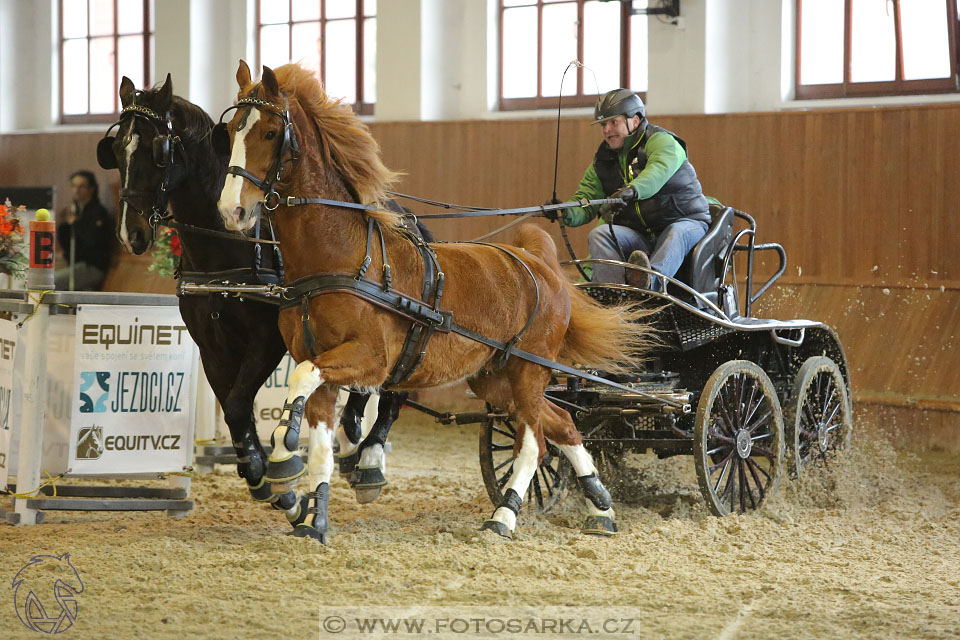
(97, 385)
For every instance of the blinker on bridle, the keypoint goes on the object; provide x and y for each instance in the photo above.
(165, 145)
(288, 147)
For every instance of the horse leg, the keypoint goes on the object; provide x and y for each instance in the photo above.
(527, 383)
(284, 466)
(355, 423)
(368, 479)
(312, 520)
(559, 429)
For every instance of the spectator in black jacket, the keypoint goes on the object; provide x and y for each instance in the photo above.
(85, 235)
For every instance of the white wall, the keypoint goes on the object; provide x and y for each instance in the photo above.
(436, 58)
(28, 67)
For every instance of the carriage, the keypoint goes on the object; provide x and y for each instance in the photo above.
(749, 398)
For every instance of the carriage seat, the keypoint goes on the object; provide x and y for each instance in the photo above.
(702, 269)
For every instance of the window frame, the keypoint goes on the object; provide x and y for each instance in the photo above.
(147, 33)
(580, 99)
(360, 106)
(895, 87)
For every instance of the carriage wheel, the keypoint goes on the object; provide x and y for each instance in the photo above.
(496, 465)
(738, 438)
(819, 418)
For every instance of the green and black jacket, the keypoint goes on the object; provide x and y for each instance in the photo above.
(654, 161)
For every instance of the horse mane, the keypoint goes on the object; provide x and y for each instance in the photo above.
(347, 143)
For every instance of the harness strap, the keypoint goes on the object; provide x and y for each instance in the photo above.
(442, 321)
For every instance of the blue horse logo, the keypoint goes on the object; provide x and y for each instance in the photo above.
(33, 586)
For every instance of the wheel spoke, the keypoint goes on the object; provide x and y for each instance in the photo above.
(762, 436)
(762, 420)
(504, 463)
(753, 407)
(744, 486)
(503, 481)
(753, 465)
(766, 453)
(725, 460)
(501, 447)
(756, 479)
(537, 493)
(546, 481)
(723, 473)
(512, 436)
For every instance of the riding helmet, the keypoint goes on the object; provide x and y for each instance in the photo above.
(618, 102)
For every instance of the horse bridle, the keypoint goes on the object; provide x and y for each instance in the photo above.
(289, 148)
(166, 148)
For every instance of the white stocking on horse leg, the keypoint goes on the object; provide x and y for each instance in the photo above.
(284, 464)
(524, 466)
(600, 513)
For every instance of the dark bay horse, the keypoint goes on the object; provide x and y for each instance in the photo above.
(166, 162)
(289, 140)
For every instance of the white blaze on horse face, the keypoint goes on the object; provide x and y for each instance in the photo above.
(524, 466)
(133, 141)
(233, 185)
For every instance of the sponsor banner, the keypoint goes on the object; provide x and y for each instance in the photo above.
(134, 392)
(268, 405)
(56, 408)
(8, 344)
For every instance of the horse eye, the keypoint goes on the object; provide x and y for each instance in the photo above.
(271, 135)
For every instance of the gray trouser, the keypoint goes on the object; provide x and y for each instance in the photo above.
(86, 277)
(666, 252)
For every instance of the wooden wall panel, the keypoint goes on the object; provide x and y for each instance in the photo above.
(863, 200)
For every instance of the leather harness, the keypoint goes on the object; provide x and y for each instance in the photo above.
(426, 319)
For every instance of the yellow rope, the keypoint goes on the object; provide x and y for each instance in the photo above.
(37, 302)
(52, 482)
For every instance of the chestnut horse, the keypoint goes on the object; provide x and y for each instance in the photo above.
(289, 139)
(165, 158)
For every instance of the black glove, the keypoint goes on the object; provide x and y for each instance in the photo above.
(552, 214)
(626, 193)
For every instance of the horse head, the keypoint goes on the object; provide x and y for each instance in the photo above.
(261, 139)
(286, 134)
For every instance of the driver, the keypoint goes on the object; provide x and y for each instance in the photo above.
(646, 166)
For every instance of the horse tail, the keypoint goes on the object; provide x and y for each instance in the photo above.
(611, 338)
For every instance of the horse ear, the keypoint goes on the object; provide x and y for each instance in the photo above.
(166, 94)
(127, 91)
(243, 74)
(270, 83)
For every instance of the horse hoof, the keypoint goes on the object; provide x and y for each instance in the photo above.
(599, 526)
(285, 471)
(347, 464)
(366, 496)
(367, 478)
(497, 527)
(306, 531)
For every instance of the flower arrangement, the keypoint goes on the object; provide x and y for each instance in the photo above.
(166, 254)
(13, 255)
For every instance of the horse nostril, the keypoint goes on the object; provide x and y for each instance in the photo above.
(239, 213)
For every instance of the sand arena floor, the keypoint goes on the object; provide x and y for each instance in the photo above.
(870, 549)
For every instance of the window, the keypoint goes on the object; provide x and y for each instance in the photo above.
(335, 38)
(539, 38)
(100, 42)
(849, 48)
